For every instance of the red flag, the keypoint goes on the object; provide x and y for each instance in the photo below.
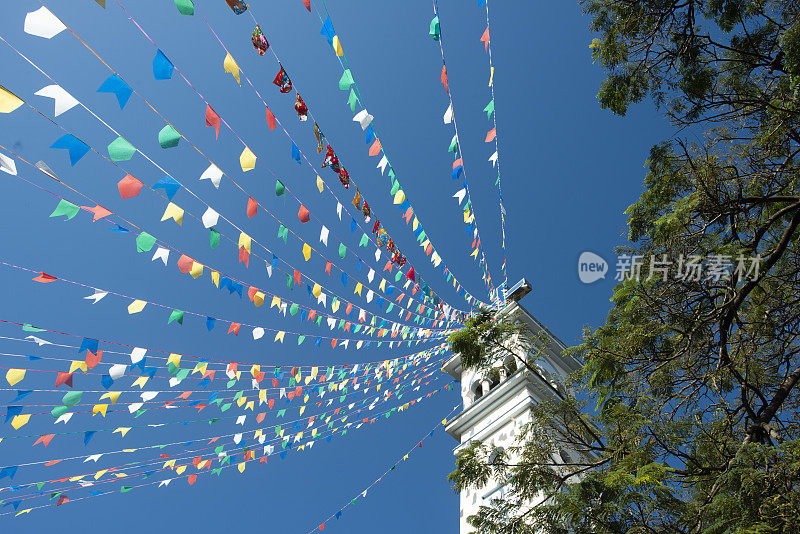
(491, 135)
(252, 207)
(328, 268)
(303, 214)
(244, 256)
(271, 403)
(485, 39)
(298, 278)
(234, 327)
(99, 212)
(410, 274)
(45, 440)
(62, 500)
(260, 417)
(212, 119)
(45, 278)
(129, 186)
(444, 78)
(375, 149)
(93, 359)
(307, 3)
(270, 120)
(64, 378)
(185, 264)
(192, 479)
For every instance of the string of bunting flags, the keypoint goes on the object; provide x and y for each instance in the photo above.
(363, 494)
(142, 416)
(145, 242)
(283, 81)
(129, 187)
(364, 118)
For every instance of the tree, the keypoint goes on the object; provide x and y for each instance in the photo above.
(684, 417)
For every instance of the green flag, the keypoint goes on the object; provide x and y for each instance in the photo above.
(185, 7)
(176, 315)
(279, 188)
(352, 101)
(489, 109)
(342, 250)
(120, 150)
(213, 238)
(346, 80)
(66, 208)
(144, 242)
(168, 137)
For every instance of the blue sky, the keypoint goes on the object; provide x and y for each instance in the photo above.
(569, 171)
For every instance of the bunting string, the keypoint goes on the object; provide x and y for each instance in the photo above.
(329, 30)
(240, 72)
(143, 245)
(137, 305)
(168, 197)
(363, 493)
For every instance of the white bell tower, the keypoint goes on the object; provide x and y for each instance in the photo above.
(498, 403)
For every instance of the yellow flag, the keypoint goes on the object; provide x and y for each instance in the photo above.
(101, 472)
(241, 467)
(15, 375)
(169, 463)
(258, 298)
(337, 46)
(197, 270)
(240, 401)
(358, 289)
(320, 185)
(136, 306)
(173, 212)
(415, 224)
(111, 395)
(382, 287)
(317, 290)
(245, 241)
(491, 77)
(122, 430)
(279, 335)
(200, 367)
(99, 409)
(180, 469)
(77, 364)
(26, 511)
(276, 301)
(174, 359)
(399, 197)
(314, 371)
(247, 160)
(20, 420)
(335, 306)
(141, 381)
(8, 100)
(231, 67)
(262, 395)
(306, 251)
(215, 278)
(250, 406)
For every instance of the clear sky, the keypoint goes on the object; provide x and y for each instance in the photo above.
(569, 171)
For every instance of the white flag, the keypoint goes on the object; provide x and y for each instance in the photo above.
(212, 173)
(42, 23)
(63, 100)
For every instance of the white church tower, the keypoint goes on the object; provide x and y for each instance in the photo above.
(498, 403)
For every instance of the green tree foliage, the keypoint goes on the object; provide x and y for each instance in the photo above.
(684, 417)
